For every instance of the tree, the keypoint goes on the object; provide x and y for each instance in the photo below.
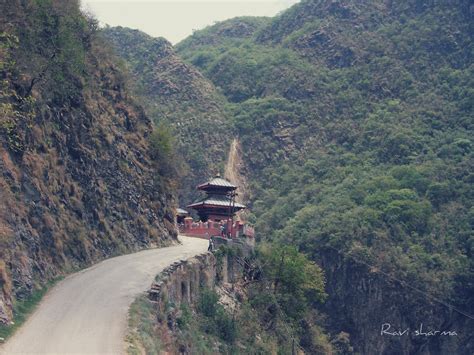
(295, 281)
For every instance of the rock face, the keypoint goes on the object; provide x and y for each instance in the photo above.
(182, 281)
(175, 92)
(76, 180)
(363, 300)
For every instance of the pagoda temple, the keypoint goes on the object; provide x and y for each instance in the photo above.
(216, 212)
(219, 203)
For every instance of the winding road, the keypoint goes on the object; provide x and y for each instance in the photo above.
(86, 313)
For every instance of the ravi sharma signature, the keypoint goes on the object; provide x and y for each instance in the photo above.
(387, 329)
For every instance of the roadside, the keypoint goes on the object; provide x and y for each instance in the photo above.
(87, 311)
(23, 309)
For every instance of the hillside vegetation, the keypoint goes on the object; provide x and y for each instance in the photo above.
(79, 180)
(178, 97)
(356, 122)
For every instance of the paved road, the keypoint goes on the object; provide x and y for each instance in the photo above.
(86, 313)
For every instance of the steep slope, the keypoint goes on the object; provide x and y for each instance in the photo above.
(203, 45)
(355, 120)
(176, 93)
(77, 181)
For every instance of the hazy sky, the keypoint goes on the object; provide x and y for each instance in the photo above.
(176, 19)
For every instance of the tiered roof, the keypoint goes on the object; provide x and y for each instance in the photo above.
(218, 201)
(217, 183)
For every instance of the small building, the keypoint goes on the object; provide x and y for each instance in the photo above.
(181, 214)
(219, 203)
(217, 212)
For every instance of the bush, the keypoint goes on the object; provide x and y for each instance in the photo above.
(162, 151)
(218, 321)
(185, 317)
(226, 327)
(207, 303)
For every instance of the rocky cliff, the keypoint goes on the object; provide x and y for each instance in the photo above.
(364, 302)
(77, 183)
(175, 92)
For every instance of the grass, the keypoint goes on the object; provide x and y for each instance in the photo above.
(23, 308)
(142, 337)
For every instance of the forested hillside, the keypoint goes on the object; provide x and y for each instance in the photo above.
(356, 121)
(78, 177)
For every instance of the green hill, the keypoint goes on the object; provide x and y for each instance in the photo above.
(356, 123)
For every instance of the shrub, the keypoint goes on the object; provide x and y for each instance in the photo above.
(207, 303)
(218, 321)
(162, 151)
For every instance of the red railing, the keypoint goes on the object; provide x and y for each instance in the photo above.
(210, 229)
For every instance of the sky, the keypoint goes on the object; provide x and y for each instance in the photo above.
(176, 19)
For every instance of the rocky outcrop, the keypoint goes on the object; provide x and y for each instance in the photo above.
(175, 92)
(183, 280)
(77, 183)
(363, 301)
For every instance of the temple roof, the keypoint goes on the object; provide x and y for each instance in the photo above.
(181, 211)
(216, 200)
(217, 182)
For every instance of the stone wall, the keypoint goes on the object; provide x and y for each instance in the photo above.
(181, 281)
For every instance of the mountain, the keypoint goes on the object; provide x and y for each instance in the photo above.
(175, 93)
(355, 120)
(77, 175)
(351, 122)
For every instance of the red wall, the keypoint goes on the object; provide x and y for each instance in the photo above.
(210, 229)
